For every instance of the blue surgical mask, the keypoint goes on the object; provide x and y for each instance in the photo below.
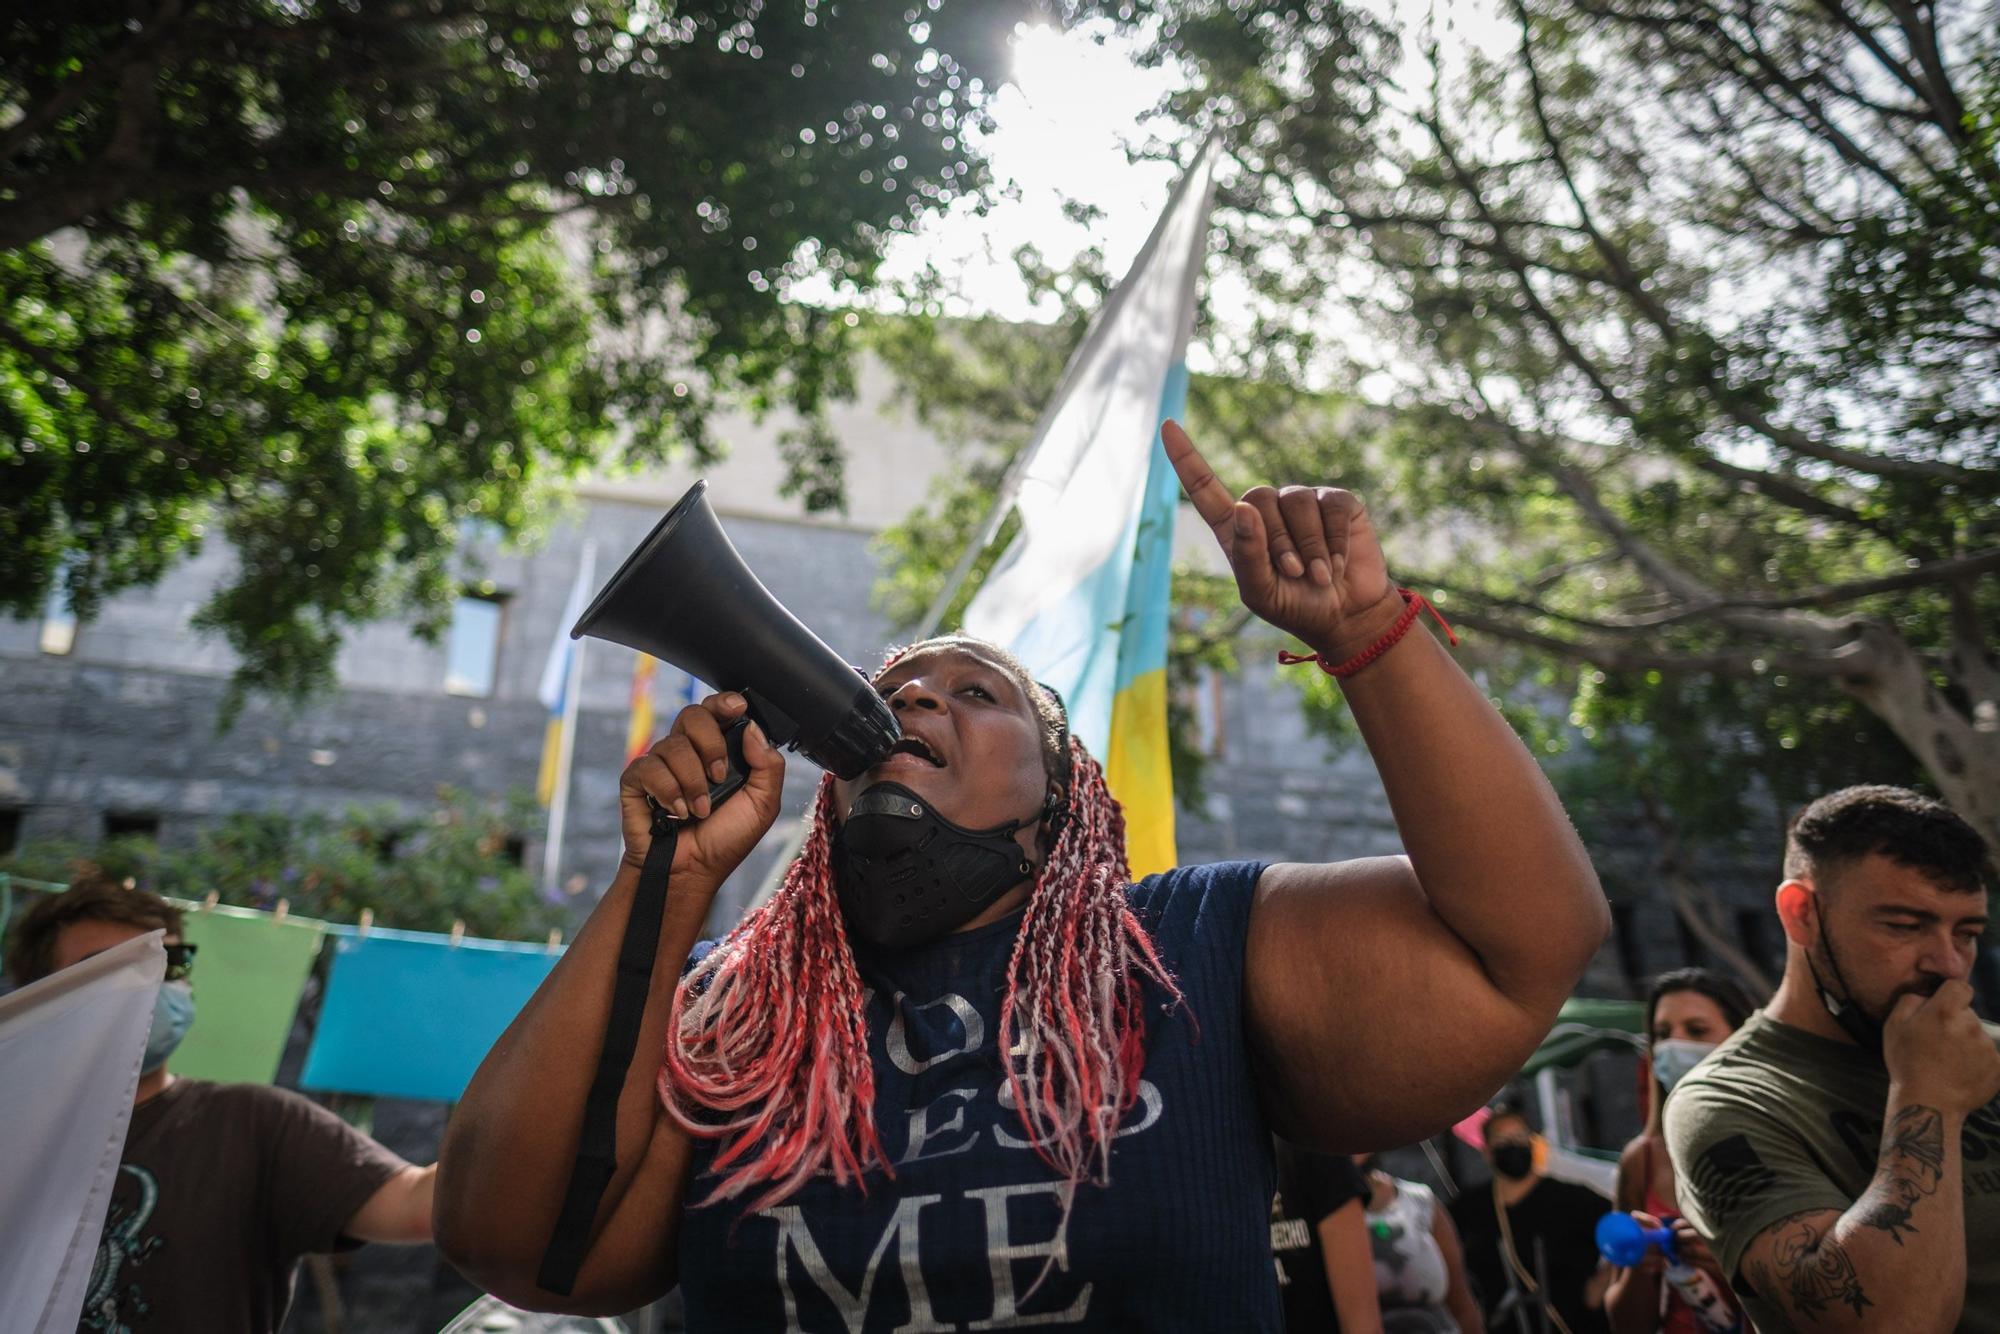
(173, 1015)
(1674, 1057)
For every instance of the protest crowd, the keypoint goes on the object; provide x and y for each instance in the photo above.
(950, 1035)
(1804, 1164)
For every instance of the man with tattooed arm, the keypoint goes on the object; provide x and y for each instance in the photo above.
(1841, 1150)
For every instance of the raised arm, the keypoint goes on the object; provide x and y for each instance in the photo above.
(1435, 973)
(505, 1162)
(1899, 1252)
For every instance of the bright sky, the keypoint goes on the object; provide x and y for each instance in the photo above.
(1067, 126)
(1063, 128)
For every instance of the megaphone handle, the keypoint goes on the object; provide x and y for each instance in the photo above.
(739, 768)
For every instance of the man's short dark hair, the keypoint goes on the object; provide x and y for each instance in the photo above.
(1907, 827)
(91, 897)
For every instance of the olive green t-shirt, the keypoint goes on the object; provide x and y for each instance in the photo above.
(1778, 1121)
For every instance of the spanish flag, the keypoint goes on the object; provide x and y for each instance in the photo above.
(639, 731)
(1081, 594)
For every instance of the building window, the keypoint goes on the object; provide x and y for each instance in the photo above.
(1753, 932)
(480, 533)
(58, 621)
(1692, 950)
(472, 653)
(1209, 714)
(131, 824)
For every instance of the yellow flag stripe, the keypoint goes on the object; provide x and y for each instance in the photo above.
(545, 781)
(639, 729)
(1140, 772)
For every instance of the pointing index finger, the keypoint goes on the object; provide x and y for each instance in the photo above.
(1210, 498)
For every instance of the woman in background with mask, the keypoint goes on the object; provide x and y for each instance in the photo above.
(1688, 1012)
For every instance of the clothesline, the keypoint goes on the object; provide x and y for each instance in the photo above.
(405, 1014)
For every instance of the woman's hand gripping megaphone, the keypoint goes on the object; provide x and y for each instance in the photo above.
(676, 776)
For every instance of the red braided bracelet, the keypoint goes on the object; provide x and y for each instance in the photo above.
(1415, 604)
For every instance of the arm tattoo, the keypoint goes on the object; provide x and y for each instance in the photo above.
(1808, 1267)
(1913, 1154)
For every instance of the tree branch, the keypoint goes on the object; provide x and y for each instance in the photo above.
(1843, 662)
(1625, 278)
(1921, 37)
(1952, 575)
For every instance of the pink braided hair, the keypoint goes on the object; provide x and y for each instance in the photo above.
(766, 1045)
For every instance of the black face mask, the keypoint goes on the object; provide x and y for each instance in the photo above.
(905, 875)
(1866, 1032)
(1514, 1161)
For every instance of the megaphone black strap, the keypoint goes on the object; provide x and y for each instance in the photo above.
(596, 1148)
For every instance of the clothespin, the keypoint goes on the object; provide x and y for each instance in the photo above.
(457, 931)
(367, 920)
(278, 913)
(214, 897)
(555, 936)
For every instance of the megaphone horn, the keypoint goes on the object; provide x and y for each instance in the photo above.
(686, 596)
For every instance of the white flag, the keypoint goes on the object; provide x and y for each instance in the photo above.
(70, 1047)
(1057, 598)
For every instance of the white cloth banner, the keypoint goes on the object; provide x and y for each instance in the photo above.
(70, 1047)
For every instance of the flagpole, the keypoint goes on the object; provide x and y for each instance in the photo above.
(566, 748)
(1100, 325)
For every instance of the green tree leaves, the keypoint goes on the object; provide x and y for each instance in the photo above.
(330, 280)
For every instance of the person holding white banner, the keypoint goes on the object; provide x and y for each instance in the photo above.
(1045, 1097)
(221, 1188)
(69, 1057)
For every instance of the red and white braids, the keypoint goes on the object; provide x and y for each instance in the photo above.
(767, 1049)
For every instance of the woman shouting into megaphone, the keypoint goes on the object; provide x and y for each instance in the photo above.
(959, 1072)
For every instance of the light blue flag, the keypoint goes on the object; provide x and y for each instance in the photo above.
(1061, 597)
(410, 1015)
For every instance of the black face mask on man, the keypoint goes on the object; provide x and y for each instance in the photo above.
(1514, 1160)
(906, 876)
(1866, 1031)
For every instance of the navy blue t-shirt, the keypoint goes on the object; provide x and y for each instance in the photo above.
(1179, 1239)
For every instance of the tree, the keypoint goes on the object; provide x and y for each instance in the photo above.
(423, 870)
(331, 280)
(1692, 314)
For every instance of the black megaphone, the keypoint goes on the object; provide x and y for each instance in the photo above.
(685, 596)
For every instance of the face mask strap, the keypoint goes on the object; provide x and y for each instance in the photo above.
(1843, 1009)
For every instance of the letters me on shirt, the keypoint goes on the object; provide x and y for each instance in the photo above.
(969, 1235)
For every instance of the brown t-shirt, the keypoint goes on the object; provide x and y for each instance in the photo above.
(222, 1188)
